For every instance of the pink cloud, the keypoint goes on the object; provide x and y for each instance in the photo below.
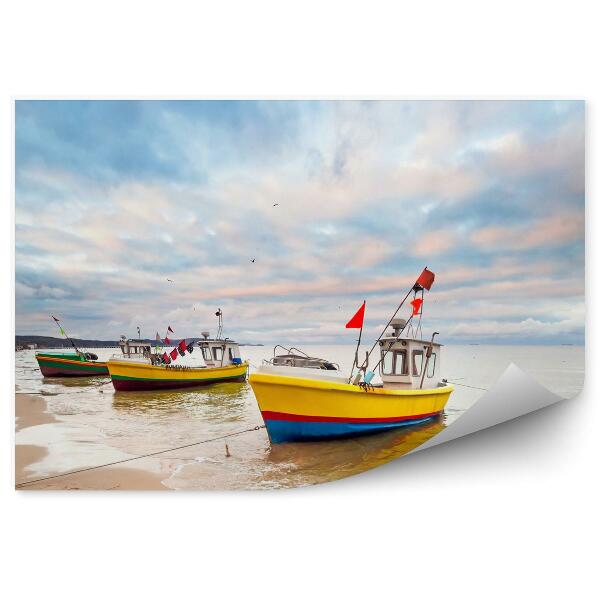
(513, 155)
(548, 231)
(433, 243)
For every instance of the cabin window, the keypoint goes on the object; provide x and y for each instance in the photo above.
(431, 365)
(231, 354)
(417, 362)
(388, 363)
(394, 363)
(217, 353)
(400, 366)
(206, 353)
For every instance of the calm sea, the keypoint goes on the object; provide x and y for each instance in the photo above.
(95, 424)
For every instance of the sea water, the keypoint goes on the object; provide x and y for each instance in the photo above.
(95, 424)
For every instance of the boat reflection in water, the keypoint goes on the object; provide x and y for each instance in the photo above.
(335, 459)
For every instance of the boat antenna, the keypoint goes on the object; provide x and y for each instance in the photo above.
(415, 331)
(62, 331)
(219, 315)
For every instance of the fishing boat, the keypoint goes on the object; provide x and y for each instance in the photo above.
(148, 370)
(302, 400)
(70, 364)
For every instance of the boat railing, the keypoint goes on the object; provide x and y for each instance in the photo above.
(301, 360)
(131, 357)
(294, 349)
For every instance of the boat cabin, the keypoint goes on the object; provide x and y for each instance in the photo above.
(408, 363)
(218, 352)
(135, 348)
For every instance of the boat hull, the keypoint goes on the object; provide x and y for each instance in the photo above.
(52, 366)
(298, 410)
(130, 376)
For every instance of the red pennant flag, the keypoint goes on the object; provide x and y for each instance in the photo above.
(426, 279)
(182, 347)
(166, 358)
(356, 322)
(416, 304)
(169, 330)
(173, 353)
(167, 341)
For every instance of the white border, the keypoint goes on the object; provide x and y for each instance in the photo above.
(504, 513)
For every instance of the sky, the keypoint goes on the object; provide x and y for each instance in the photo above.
(336, 201)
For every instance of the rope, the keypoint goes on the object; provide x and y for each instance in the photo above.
(118, 462)
(473, 387)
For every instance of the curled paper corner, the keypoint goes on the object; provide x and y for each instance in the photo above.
(515, 393)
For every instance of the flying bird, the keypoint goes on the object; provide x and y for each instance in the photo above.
(169, 280)
(252, 260)
(276, 204)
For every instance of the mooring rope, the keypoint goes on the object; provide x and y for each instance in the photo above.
(118, 462)
(473, 387)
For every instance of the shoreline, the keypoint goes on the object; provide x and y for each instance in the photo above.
(32, 410)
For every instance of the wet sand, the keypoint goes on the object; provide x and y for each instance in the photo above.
(32, 410)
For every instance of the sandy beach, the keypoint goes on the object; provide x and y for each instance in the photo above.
(32, 410)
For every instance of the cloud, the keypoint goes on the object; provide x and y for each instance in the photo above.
(554, 230)
(558, 154)
(525, 329)
(436, 242)
(44, 292)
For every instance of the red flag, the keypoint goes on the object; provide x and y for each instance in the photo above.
(166, 358)
(182, 347)
(167, 341)
(356, 322)
(426, 279)
(169, 330)
(416, 304)
(173, 353)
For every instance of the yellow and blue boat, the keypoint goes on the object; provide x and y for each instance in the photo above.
(307, 399)
(295, 409)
